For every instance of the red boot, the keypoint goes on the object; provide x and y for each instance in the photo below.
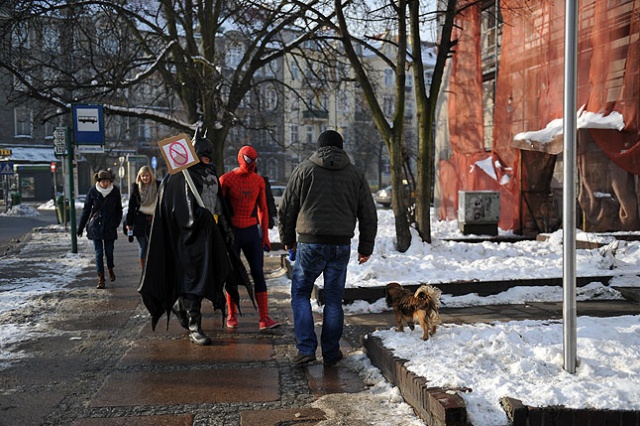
(232, 319)
(263, 308)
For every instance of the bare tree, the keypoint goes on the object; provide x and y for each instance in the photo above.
(407, 19)
(206, 54)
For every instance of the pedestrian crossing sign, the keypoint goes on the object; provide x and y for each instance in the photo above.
(6, 168)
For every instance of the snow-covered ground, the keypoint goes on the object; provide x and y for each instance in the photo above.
(520, 359)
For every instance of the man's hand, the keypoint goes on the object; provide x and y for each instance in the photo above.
(362, 258)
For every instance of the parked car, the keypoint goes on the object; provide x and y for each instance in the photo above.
(277, 191)
(383, 196)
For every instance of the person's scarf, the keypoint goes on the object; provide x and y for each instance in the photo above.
(148, 197)
(103, 191)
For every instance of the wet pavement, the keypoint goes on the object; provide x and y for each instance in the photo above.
(107, 367)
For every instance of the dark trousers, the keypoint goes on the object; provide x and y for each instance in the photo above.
(103, 248)
(249, 241)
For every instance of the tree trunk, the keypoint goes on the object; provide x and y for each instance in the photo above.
(403, 233)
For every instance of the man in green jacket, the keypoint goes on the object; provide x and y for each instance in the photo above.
(325, 196)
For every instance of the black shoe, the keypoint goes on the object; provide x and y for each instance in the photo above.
(331, 363)
(181, 314)
(301, 359)
(199, 338)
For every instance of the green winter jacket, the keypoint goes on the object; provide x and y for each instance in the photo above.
(324, 198)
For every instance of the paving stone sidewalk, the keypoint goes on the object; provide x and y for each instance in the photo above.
(107, 367)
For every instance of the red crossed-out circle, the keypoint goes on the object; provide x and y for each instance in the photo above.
(178, 153)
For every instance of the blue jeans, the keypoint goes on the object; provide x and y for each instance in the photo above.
(311, 261)
(102, 248)
(142, 246)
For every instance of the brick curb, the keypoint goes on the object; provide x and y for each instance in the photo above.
(444, 407)
(435, 405)
(460, 288)
(524, 415)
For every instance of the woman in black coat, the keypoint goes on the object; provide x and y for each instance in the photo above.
(142, 204)
(101, 214)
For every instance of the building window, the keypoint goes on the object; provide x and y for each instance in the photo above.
(20, 36)
(388, 77)
(270, 98)
(144, 131)
(51, 39)
(342, 102)
(270, 69)
(294, 134)
(310, 135)
(295, 102)
(408, 108)
(294, 69)
(388, 106)
(23, 119)
(428, 76)
(49, 126)
(234, 56)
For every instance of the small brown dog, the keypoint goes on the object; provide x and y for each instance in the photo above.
(421, 307)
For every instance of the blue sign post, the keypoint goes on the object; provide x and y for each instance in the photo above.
(88, 124)
(88, 136)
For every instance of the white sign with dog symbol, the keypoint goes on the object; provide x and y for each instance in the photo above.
(180, 154)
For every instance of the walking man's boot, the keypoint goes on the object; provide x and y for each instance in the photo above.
(112, 275)
(195, 322)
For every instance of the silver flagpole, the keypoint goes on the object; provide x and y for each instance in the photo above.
(569, 201)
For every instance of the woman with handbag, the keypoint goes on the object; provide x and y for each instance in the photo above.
(142, 204)
(102, 213)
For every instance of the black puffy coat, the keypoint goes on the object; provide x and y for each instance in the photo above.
(110, 210)
(140, 222)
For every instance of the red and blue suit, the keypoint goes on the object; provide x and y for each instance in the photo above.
(243, 190)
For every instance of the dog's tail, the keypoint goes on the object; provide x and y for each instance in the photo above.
(431, 294)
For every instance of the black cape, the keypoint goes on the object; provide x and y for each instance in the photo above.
(187, 252)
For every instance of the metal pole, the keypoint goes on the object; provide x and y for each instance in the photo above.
(569, 201)
(72, 202)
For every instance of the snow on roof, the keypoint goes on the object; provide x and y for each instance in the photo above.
(31, 155)
(586, 120)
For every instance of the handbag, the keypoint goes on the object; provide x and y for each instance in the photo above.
(94, 225)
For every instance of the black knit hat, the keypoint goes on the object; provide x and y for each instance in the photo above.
(330, 138)
(105, 175)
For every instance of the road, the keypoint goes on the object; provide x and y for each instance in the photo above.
(13, 228)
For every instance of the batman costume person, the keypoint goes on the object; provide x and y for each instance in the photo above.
(187, 258)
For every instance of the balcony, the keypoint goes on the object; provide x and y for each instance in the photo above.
(315, 114)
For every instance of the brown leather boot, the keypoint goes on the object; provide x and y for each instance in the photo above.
(112, 275)
(100, 280)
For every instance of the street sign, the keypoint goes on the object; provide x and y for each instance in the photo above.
(88, 124)
(178, 152)
(90, 149)
(60, 141)
(6, 168)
